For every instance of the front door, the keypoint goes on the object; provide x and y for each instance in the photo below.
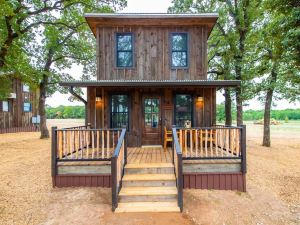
(151, 120)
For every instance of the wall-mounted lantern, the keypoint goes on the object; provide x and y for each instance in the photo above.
(200, 99)
(98, 98)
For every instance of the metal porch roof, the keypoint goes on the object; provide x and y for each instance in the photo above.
(151, 83)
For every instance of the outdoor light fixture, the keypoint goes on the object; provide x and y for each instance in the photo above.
(98, 99)
(200, 99)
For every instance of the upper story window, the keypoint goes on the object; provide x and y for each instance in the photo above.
(5, 106)
(179, 47)
(119, 116)
(183, 109)
(27, 107)
(124, 50)
(25, 88)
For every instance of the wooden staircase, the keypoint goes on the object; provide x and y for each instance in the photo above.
(148, 187)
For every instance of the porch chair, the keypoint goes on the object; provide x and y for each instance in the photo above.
(167, 137)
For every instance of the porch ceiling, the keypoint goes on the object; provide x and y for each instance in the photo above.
(151, 83)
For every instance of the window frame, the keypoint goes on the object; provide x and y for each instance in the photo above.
(187, 50)
(30, 107)
(117, 51)
(8, 106)
(27, 89)
(192, 107)
(111, 112)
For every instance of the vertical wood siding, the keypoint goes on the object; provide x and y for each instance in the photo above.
(16, 117)
(99, 112)
(152, 54)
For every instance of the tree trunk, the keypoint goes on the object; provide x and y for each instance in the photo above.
(239, 106)
(228, 116)
(267, 115)
(268, 104)
(42, 100)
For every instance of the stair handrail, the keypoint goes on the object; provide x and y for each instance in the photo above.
(177, 160)
(118, 162)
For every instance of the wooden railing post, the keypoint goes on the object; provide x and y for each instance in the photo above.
(243, 148)
(180, 182)
(53, 153)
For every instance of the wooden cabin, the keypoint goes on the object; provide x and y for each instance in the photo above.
(18, 111)
(152, 116)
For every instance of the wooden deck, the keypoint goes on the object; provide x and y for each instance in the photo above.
(149, 155)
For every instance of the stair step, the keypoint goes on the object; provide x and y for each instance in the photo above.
(148, 177)
(149, 168)
(148, 165)
(148, 207)
(134, 191)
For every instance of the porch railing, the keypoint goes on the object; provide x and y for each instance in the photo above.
(85, 144)
(210, 142)
(217, 142)
(118, 162)
(177, 160)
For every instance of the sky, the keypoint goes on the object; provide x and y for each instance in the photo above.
(154, 6)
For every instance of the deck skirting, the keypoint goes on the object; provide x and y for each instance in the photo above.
(82, 180)
(216, 181)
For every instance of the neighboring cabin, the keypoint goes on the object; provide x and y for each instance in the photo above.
(17, 111)
(151, 90)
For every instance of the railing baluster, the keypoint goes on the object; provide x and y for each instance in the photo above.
(93, 144)
(201, 143)
(102, 144)
(97, 143)
(107, 144)
(216, 143)
(191, 143)
(211, 141)
(196, 140)
(206, 134)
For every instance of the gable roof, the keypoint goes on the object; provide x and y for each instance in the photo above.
(95, 20)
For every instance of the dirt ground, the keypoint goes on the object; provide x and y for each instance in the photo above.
(273, 193)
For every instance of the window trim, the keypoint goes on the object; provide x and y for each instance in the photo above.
(117, 51)
(193, 107)
(30, 108)
(110, 110)
(187, 50)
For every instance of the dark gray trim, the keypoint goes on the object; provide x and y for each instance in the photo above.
(152, 83)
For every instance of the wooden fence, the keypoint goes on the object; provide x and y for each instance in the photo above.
(210, 142)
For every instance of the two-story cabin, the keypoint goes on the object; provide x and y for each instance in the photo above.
(151, 115)
(19, 110)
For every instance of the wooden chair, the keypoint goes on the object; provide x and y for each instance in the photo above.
(167, 137)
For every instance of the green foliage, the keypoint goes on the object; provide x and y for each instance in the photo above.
(65, 112)
(251, 115)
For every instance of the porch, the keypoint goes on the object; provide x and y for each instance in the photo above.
(207, 158)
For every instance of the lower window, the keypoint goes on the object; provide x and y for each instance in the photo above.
(183, 109)
(5, 106)
(27, 107)
(119, 115)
